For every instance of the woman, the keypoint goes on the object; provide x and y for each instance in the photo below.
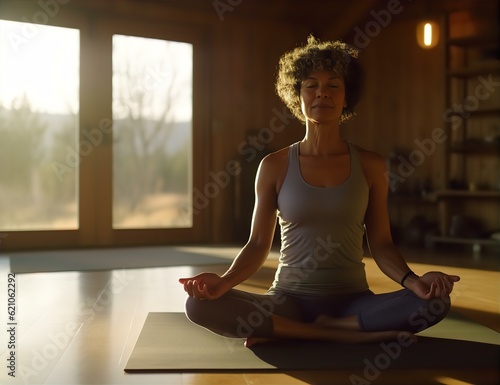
(326, 193)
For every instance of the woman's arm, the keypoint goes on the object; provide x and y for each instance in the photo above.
(252, 256)
(383, 250)
(255, 252)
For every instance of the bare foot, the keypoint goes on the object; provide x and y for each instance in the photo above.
(346, 323)
(407, 336)
(356, 335)
(251, 341)
(362, 337)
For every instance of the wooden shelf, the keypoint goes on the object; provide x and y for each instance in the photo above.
(411, 199)
(480, 112)
(471, 62)
(463, 241)
(480, 194)
(479, 149)
(474, 41)
(473, 71)
(436, 196)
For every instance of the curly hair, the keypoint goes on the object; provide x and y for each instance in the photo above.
(296, 65)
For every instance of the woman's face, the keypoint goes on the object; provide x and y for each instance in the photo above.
(322, 96)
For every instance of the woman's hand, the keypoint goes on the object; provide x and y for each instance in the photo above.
(205, 286)
(433, 284)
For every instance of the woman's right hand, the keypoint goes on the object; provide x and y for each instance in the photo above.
(433, 284)
(250, 259)
(205, 286)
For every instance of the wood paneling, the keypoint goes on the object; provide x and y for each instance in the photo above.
(403, 101)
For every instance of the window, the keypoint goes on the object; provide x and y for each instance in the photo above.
(39, 114)
(152, 128)
(101, 138)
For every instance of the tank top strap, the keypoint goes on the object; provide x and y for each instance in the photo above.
(293, 154)
(293, 163)
(356, 168)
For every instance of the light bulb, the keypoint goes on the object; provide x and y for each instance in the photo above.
(427, 34)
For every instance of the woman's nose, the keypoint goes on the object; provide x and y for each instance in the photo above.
(321, 92)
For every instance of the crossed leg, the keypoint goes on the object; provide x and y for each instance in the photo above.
(343, 330)
(259, 318)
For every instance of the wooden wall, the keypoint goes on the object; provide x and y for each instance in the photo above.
(403, 102)
(402, 106)
(244, 57)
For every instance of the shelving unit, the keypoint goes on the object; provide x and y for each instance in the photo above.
(472, 161)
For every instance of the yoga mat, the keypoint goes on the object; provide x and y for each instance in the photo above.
(169, 342)
(108, 259)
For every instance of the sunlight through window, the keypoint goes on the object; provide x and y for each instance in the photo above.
(152, 114)
(39, 108)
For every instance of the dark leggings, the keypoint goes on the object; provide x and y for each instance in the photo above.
(241, 314)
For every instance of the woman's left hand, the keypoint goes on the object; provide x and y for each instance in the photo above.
(433, 284)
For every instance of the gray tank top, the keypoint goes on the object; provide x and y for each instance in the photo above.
(322, 232)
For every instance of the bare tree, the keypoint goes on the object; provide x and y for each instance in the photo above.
(142, 129)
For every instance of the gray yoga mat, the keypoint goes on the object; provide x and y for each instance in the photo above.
(108, 259)
(169, 342)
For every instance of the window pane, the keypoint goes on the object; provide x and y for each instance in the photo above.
(152, 114)
(39, 107)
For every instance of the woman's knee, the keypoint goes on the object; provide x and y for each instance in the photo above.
(195, 310)
(439, 308)
(430, 313)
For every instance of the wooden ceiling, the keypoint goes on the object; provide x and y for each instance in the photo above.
(316, 15)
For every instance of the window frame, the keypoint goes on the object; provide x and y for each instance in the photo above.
(95, 173)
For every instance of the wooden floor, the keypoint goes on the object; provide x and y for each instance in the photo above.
(80, 327)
